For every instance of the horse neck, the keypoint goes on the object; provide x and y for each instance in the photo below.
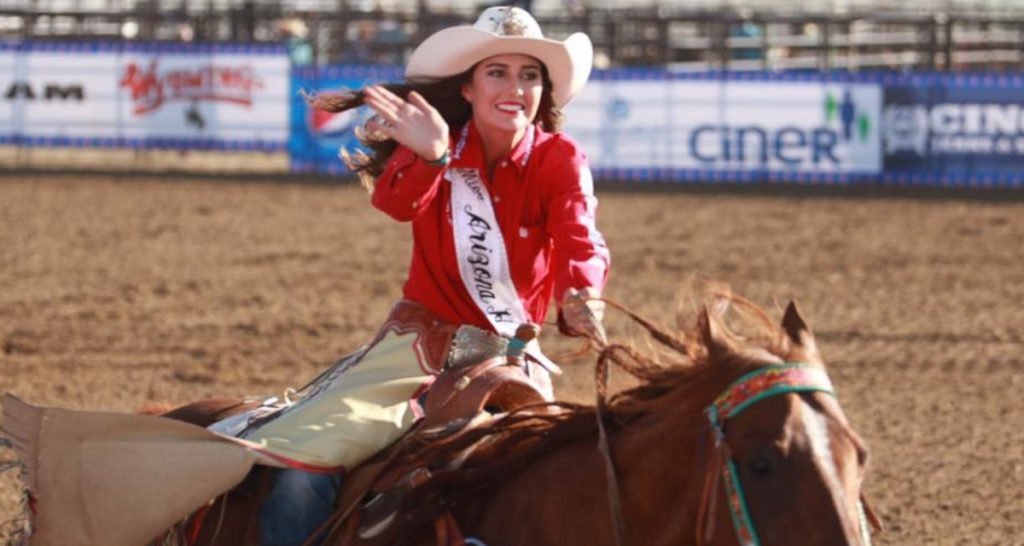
(661, 459)
(659, 464)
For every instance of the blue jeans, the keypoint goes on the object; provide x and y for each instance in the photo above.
(297, 504)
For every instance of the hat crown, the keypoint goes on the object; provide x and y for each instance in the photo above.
(509, 21)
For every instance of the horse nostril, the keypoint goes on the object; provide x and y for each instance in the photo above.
(761, 466)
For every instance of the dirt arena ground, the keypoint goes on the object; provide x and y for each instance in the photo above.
(115, 291)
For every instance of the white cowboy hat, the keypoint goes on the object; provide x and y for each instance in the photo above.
(498, 31)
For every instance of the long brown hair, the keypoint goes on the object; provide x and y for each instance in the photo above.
(445, 95)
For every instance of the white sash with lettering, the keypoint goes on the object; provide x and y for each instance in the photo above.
(480, 250)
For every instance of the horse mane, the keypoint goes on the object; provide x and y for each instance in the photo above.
(501, 448)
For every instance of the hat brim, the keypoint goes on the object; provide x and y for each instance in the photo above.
(454, 50)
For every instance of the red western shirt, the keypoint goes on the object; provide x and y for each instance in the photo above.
(544, 201)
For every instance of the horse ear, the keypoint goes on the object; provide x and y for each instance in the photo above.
(793, 323)
(799, 333)
(711, 333)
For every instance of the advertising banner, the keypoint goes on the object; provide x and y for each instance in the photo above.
(634, 124)
(955, 130)
(717, 129)
(317, 137)
(11, 69)
(138, 95)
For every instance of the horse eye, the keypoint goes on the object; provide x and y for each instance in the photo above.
(760, 466)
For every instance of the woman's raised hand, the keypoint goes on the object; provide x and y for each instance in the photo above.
(413, 123)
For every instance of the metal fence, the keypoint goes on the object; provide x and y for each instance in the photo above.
(321, 32)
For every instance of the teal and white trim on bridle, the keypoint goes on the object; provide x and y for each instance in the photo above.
(740, 395)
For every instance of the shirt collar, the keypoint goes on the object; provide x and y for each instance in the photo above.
(469, 152)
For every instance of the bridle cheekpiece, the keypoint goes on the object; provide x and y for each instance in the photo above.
(790, 377)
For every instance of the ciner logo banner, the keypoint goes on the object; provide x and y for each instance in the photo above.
(735, 126)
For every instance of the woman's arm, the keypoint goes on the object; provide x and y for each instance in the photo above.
(407, 186)
(581, 258)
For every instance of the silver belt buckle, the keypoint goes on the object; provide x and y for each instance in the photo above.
(472, 345)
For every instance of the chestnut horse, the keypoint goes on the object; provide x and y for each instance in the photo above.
(740, 441)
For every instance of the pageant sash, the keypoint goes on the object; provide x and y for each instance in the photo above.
(481, 253)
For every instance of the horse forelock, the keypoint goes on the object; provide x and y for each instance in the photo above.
(745, 338)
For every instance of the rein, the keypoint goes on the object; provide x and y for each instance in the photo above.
(610, 352)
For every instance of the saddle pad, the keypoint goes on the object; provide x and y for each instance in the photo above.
(114, 479)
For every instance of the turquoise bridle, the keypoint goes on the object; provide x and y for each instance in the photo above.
(741, 394)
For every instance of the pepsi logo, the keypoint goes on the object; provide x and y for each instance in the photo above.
(330, 125)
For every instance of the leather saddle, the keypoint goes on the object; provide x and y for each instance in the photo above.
(494, 386)
(462, 396)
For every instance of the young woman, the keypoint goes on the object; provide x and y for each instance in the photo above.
(501, 203)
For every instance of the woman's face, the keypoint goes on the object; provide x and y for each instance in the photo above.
(505, 92)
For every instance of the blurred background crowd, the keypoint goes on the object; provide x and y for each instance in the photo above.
(692, 35)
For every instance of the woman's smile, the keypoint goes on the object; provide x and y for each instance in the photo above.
(511, 108)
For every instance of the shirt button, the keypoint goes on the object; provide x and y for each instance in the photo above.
(400, 175)
(497, 199)
(504, 163)
(523, 233)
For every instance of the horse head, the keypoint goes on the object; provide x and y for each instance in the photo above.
(786, 468)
